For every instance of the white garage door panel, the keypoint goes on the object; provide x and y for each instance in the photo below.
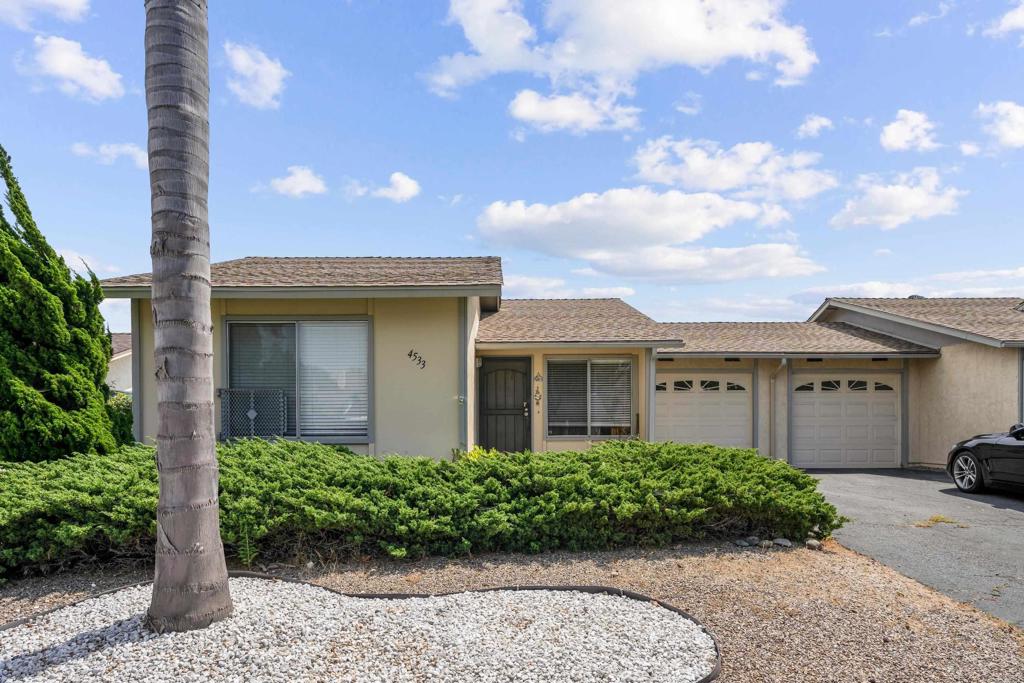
(689, 409)
(854, 425)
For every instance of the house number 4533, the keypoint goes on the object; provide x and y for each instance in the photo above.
(417, 359)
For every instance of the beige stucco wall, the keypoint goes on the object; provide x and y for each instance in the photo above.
(119, 372)
(538, 356)
(415, 411)
(972, 389)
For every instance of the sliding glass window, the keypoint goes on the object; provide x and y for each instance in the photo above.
(306, 379)
(590, 397)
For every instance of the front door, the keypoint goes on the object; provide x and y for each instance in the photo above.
(505, 404)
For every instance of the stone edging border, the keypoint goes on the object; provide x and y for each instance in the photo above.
(601, 590)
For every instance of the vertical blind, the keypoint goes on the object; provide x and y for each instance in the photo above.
(567, 397)
(334, 392)
(590, 397)
(328, 395)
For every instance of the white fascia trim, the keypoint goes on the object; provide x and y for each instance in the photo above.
(123, 354)
(321, 292)
(911, 322)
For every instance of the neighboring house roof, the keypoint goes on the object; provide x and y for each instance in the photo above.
(785, 338)
(120, 342)
(339, 273)
(560, 321)
(996, 319)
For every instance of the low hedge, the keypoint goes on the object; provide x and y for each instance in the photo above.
(283, 499)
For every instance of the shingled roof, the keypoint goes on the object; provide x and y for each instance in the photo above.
(120, 342)
(999, 319)
(786, 338)
(340, 272)
(546, 321)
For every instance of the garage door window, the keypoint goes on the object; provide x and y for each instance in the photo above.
(831, 385)
(806, 386)
(590, 397)
(682, 385)
(734, 386)
(661, 386)
(709, 385)
(882, 386)
(857, 385)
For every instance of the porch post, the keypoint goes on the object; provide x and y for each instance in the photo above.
(651, 362)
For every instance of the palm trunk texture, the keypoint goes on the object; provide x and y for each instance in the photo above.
(190, 587)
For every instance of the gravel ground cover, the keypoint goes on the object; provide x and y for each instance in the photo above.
(283, 631)
(778, 615)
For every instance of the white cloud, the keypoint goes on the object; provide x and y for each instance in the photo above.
(813, 125)
(608, 292)
(690, 104)
(20, 13)
(402, 188)
(1004, 121)
(599, 48)
(941, 11)
(969, 149)
(576, 113)
(749, 169)
(1008, 23)
(705, 264)
(911, 130)
(609, 42)
(883, 252)
(636, 232)
(81, 263)
(117, 313)
(300, 181)
(77, 74)
(109, 152)
(541, 287)
(917, 195)
(257, 80)
(747, 307)
(535, 287)
(990, 282)
(617, 218)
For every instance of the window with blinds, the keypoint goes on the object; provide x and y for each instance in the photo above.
(322, 367)
(590, 397)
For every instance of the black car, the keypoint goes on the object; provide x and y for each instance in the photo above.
(988, 460)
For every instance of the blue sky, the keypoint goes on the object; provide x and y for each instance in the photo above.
(739, 163)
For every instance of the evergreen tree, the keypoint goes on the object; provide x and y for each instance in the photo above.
(53, 347)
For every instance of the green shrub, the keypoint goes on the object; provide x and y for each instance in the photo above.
(284, 499)
(53, 346)
(119, 408)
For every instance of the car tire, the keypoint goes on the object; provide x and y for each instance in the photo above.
(966, 471)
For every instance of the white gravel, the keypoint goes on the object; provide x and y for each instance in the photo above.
(296, 632)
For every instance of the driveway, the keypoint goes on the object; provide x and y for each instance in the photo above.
(977, 556)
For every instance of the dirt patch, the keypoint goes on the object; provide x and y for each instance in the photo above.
(795, 615)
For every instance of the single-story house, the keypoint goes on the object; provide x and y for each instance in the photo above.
(119, 371)
(423, 356)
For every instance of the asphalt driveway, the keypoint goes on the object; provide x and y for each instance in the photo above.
(973, 553)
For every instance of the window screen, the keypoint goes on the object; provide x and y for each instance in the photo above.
(611, 397)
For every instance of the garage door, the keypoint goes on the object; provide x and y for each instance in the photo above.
(704, 408)
(846, 421)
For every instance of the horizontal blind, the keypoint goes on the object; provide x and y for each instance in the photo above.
(262, 356)
(567, 397)
(611, 394)
(334, 394)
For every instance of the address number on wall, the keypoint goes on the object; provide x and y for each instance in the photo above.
(417, 359)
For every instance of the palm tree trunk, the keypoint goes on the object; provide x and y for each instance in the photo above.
(190, 588)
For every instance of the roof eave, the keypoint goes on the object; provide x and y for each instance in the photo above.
(583, 343)
(360, 292)
(913, 322)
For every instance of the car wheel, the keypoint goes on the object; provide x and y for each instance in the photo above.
(967, 473)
